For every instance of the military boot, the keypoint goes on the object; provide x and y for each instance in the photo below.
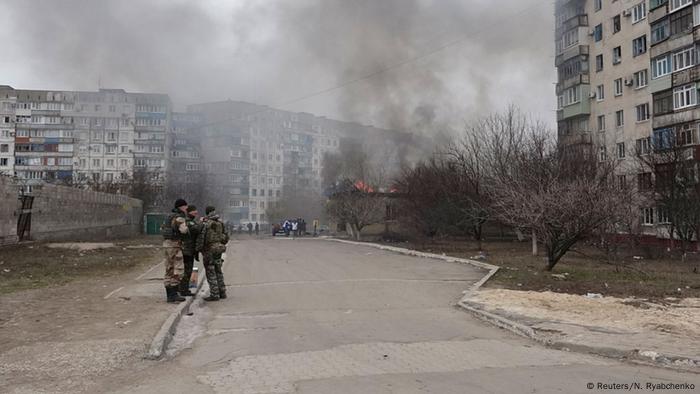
(172, 294)
(211, 298)
(185, 290)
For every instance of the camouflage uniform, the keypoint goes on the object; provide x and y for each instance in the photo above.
(212, 236)
(173, 230)
(189, 253)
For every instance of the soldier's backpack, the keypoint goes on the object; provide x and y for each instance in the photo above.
(217, 238)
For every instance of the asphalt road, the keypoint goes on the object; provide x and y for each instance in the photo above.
(313, 316)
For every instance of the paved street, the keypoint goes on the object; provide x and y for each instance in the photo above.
(313, 316)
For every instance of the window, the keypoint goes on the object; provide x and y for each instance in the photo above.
(663, 139)
(642, 112)
(681, 21)
(617, 24)
(570, 96)
(621, 150)
(601, 122)
(620, 118)
(639, 46)
(648, 216)
(602, 153)
(685, 96)
(685, 135)
(600, 92)
(598, 33)
(663, 102)
(660, 31)
(660, 66)
(644, 146)
(4, 148)
(599, 63)
(677, 4)
(254, 192)
(684, 59)
(617, 55)
(3, 162)
(639, 12)
(618, 87)
(641, 79)
(662, 214)
(568, 39)
(598, 5)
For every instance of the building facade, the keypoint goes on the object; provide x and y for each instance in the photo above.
(8, 102)
(628, 84)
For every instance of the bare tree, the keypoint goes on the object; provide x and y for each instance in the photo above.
(422, 204)
(561, 196)
(356, 206)
(668, 176)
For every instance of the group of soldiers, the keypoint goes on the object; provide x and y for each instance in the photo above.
(185, 237)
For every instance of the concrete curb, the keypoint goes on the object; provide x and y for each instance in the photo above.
(492, 269)
(167, 330)
(637, 356)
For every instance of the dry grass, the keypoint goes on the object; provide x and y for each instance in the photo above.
(34, 265)
(579, 272)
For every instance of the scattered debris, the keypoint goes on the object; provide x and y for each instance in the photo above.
(559, 276)
(637, 258)
(593, 295)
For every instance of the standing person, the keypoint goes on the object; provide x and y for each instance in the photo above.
(295, 228)
(188, 249)
(174, 230)
(212, 242)
(257, 228)
(250, 228)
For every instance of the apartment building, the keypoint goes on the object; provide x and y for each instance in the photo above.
(628, 82)
(185, 169)
(8, 102)
(43, 135)
(254, 155)
(104, 133)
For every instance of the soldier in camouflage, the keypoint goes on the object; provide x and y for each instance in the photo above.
(212, 242)
(190, 254)
(174, 230)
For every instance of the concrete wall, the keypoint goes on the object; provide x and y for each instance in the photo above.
(68, 214)
(8, 210)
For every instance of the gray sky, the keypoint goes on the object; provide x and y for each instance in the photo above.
(448, 60)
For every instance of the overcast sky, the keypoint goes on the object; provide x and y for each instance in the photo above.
(445, 61)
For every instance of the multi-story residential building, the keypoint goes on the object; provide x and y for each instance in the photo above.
(8, 101)
(44, 142)
(104, 131)
(185, 169)
(628, 83)
(255, 155)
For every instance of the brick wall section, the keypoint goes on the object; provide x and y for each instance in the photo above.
(9, 205)
(68, 214)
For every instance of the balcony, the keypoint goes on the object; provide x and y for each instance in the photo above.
(576, 80)
(577, 21)
(567, 54)
(581, 108)
(686, 76)
(671, 44)
(674, 118)
(659, 84)
(656, 12)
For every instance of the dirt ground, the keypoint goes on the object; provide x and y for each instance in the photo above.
(579, 272)
(77, 311)
(675, 316)
(37, 265)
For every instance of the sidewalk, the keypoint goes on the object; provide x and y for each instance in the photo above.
(88, 328)
(661, 333)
